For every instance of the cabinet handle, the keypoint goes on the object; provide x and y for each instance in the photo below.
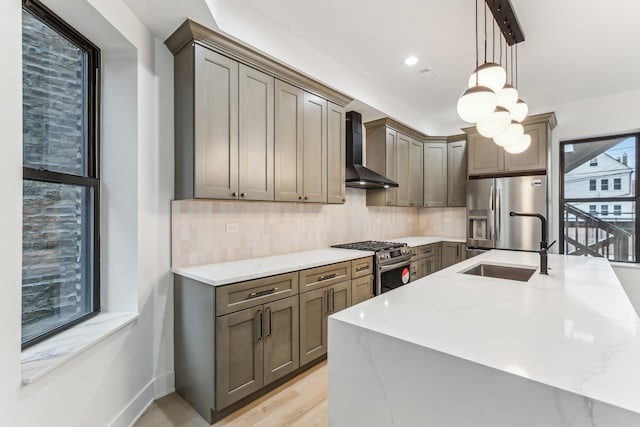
(299, 197)
(258, 319)
(268, 313)
(243, 194)
(234, 194)
(457, 251)
(325, 295)
(327, 277)
(261, 293)
(305, 197)
(365, 267)
(333, 300)
(344, 200)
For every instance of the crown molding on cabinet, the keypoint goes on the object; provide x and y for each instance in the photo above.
(404, 129)
(192, 32)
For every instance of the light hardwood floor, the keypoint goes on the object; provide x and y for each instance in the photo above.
(301, 401)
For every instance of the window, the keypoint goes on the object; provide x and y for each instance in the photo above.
(593, 162)
(588, 226)
(60, 236)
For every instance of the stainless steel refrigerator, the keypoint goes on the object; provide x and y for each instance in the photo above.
(489, 201)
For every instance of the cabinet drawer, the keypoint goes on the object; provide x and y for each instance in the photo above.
(427, 250)
(243, 295)
(361, 267)
(414, 252)
(326, 275)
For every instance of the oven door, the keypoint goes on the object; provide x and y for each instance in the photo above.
(393, 276)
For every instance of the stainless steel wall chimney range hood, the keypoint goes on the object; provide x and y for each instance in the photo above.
(358, 176)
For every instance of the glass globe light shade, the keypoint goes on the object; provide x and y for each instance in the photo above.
(507, 97)
(495, 123)
(519, 146)
(476, 103)
(490, 75)
(511, 136)
(519, 110)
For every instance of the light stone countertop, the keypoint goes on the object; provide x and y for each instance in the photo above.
(413, 241)
(574, 330)
(224, 273)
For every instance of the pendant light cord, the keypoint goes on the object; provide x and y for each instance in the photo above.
(476, 1)
(485, 33)
(516, 65)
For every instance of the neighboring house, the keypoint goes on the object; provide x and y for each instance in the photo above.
(602, 177)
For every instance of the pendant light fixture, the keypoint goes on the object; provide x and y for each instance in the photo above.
(478, 101)
(520, 146)
(488, 74)
(520, 110)
(507, 97)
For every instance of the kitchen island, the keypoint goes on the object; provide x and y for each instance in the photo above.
(454, 349)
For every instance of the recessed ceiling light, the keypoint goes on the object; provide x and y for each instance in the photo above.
(410, 60)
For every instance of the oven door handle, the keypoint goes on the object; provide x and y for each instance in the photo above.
(384, 268)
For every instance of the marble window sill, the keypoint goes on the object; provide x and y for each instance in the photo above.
(44, 357)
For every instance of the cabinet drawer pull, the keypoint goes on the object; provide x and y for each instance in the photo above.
(365, 267)
(327, 277)
(261, 293)
(268, 313)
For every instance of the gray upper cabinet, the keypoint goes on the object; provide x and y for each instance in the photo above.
(381, 148)
(435, 174)
(256, 93)
(416, 170)
(216, 127)
(457, 174)
(390, 163)
(487, 158)
(248, 127)
(314, 149)
(336, 154)
(301, 145)
(403, 170)
(289, 142)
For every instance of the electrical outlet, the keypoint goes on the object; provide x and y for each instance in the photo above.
(300, 224)
(232, 227)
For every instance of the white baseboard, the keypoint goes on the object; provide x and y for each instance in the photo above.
(135, 408)
(164, 384)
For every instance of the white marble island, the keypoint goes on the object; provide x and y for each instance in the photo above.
(459, 350)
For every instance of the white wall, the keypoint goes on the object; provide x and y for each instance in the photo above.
(112, 381)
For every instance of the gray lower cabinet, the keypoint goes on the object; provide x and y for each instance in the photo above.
(361, 289)
(425, 260)
(452, 253)
(313, 324)
(435, 174)
(315, 308)
(255, 347)
(457, 173)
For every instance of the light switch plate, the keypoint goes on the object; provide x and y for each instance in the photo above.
(232, 227)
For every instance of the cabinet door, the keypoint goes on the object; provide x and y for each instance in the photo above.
(435, 174)
(423, 269)
(313, 324)
(315, 149)
(402, 168)
(533, 158)
(336, 157)
(361, 289)
(216, 126)
(430, 265)
(255, 134)
(416, 168)
(239, 355)
(281, 338)
(457, 173)
(288, 142)
(485, 156)
(391, 165)
(340, 296)
(450, 253)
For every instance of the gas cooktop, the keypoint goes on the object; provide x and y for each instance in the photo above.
(370, 245)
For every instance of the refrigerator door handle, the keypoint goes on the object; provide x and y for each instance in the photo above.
(498, 213)
(491, 215)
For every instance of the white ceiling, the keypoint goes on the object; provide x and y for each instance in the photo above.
(574, 49)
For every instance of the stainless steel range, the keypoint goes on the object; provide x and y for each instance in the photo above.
(392, 262)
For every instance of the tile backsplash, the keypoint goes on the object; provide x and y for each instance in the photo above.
(200, 236)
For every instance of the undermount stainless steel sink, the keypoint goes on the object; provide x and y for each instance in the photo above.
(521, 274)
